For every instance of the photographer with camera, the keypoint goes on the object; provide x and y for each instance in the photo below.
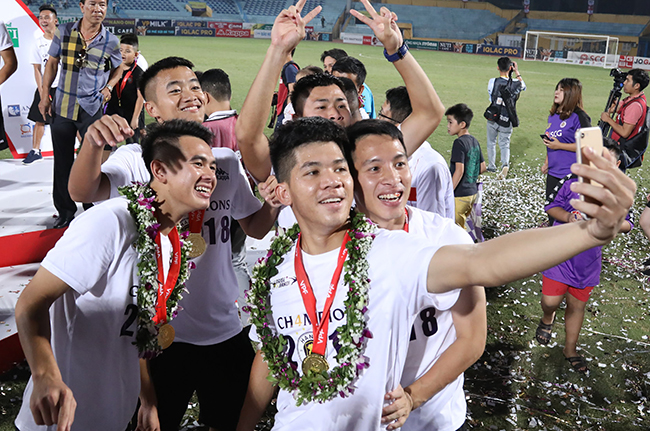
(630, 116)
(503, 114)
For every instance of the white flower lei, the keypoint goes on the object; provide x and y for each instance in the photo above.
(141, 198)
(351, 338)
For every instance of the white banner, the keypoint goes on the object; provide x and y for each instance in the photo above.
(591, 58)
(18, 91)
(354, 38)
(261, 34)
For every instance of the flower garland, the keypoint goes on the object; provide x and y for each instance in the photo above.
(141, 198)
(351, 337)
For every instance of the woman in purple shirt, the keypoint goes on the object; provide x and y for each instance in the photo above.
(574, 279)
(566, 118)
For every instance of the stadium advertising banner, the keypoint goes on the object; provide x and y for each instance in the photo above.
(231, 29)
(590, 58)
(371, 40)
(18, 90)
(195, 31)
(179, 23)
(422, 44)
(501, 51)
(354, 38)
(630, 62)
(120, 26)
(446, 46)
(155, 27)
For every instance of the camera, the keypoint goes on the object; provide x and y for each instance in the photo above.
(619, 77)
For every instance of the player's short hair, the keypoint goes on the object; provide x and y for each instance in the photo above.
(504, 64)
(310, 70)
(335, 53)
(162, 141)
(572, 89)
(47, 7)
(353, 66)
(299, 132)
(130, 39)
(160, 65)
(639, 76)
(351, 93)
(400, 103)
(363, 128)
(217, 83)
(612, 146)
(461, 112)
(302, 89)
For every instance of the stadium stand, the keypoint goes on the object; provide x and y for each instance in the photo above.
(441, 22)
(263, 7)
(585, 27)
(227, 7)
(148, 5)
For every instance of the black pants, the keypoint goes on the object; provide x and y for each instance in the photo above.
(551, 193)
(64, 132)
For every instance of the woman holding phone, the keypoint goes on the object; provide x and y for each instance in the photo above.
(566, 117)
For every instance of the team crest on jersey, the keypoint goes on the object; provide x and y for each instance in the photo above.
(563, 124)
(282, 282)
(222, 175)
(304, 345)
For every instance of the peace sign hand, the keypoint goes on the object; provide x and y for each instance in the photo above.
(289, 27)
(384, 25)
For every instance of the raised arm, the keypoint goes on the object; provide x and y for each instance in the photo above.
(259, 395)
(52, 401)
(288, 30)
(522, 254)
(257, 225)
(428, 110)
(87, 183)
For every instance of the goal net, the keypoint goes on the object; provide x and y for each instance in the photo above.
(584, 49)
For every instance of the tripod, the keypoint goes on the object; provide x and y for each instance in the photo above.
(613, 99)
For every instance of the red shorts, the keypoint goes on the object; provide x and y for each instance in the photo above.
(557, 288)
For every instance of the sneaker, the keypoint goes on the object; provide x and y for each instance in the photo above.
(493, 170)
(32, 157)
(504, 172)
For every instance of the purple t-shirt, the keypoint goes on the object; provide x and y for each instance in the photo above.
(560, 161)
(582, 270)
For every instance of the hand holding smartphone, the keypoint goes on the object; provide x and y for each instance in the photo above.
(588, 137)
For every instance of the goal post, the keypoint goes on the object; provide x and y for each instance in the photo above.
(584, 49)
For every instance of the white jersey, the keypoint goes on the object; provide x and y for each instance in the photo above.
(431, 187)
(395, 297)
(209, 314)
(5, 40)
(432, 333)
(40, 55)
(94, 323)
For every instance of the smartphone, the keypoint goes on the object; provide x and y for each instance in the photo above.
(544, 137)
(591, 137)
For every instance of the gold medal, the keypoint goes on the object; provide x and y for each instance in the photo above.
(197, 245)
(166, 335)
(315, 363)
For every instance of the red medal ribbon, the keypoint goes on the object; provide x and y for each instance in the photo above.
(406, 223)
(320, 329)
(165, 289)
(125, 79)
(195, 219)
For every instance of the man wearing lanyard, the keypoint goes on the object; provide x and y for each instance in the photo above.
(371, 316)
(79, 318)
(211, 348)
(89, 55)
(444, 342)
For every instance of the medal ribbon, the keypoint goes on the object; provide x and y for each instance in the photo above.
(165, 289)
(195, 219)
(120, 87)
(320, 330)
(406, 223)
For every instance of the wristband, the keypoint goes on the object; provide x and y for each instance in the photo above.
(110, 87)
(401, 52)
